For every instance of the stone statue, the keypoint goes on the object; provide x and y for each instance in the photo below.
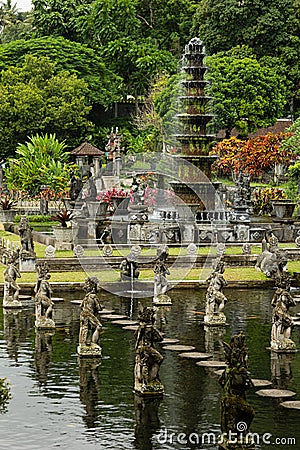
(11, 287)
(282, 322)
(148, 359)
(92, 189)
(129, 268)
(90, 325)
(26, 238)
(215, 299)
(160, 277)
(75, 185)
(43, 302)
(270, 262)
(235, 381)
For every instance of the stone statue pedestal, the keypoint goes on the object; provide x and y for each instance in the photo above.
(215, 320)
(284, 345)
(44, 323)
(162, 300)
(9, 302)
(92, 350)
(27, 263)
(155, 389)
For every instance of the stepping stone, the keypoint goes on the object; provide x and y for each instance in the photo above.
(131, 327)
(57, 299)
(124, 322)
(292, 404)
(212, 364)
(113, 316)
(276, 393)
(260, 383)
(169, 341)
(218, 372)
(296, 318)
(106, 311)
(27, 298)
(76, 302)
(179, 348)
(195, 355)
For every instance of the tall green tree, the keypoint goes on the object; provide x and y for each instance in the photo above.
(33, 98)
(247, 95)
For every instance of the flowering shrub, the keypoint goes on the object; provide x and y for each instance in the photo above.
(262, 199)
(107, 196)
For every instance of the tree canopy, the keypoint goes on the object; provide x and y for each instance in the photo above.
(33, 98)
(247, 95)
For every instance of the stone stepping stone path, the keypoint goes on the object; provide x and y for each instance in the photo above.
(76, 302)
(124, 322)
(113, 317)
(296, 298)
(260, 383)
(28, 298)
(131, 327)
(219, 372)
(211, 364)
(275, 393)
(168, 341)
(106, 311)
(57, 299)
(195, 355)
(296, 318)
(179, 348)
(292, 404)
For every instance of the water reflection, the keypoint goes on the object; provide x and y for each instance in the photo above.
(281, 369)
(214, 341)
(89, 388)
(147, 421)
(43, 350)
(17, 324)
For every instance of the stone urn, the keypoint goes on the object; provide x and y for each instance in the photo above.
(63, 237)
(97, 209)
(119, 200)
(7, 215)
(283, 209)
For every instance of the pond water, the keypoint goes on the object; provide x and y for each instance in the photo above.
(61, 402)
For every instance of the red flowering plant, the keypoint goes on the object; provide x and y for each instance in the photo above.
(110, 194)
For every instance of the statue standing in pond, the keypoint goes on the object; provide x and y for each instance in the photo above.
(215, 299)
(25, 232)
(161, 271)
(282, 322)
(90, 325)
(148, 359)
(235, 410)
(11, 287)
(43, 302)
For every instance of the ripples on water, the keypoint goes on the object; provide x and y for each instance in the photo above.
(62, 402)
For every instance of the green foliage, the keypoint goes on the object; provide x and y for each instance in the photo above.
(34, 219)
(33, 99)
(5, 394)
(262, 199)
(247, 95)
(292, 142)
(104, 86)
(40, 161)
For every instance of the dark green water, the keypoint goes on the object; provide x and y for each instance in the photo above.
(59, 402)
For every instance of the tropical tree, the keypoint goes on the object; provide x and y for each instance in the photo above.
(42, 160)
(247, 95)
(35, 99)
(255, 156)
